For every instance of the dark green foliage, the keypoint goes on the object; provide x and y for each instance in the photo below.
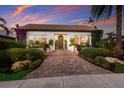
(99, 60)
(9, 56)
(19, 54)
(106, 43)
(66, 44)
(119, 68)
(32, 54)
(14, 54)
(5, 63)
(35, 64)
(51, 42)
(73, 43)
(94, 52)
(96, 37)
(6, 44)
(42, 44)
(56, 44)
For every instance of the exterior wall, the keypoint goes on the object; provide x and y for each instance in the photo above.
(36, 35)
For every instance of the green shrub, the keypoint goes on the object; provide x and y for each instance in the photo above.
(19, 54)
(106, 43)
(5, 63)
(94, 52)
(51, 42)
(32, 54)
(56, 44)
(66, 43)
(99, 60)
(14, 54)
(35, 64)
(119, 68)
(96, 37)
(6, 44)
(72, 42)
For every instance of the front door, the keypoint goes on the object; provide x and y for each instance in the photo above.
(60, 42)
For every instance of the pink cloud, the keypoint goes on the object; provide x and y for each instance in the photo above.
(33, 19)
(80, 21)
(77, 20)
(109, 21)
(66, 9)
(20, 9)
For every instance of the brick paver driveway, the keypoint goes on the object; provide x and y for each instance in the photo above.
(62, 63)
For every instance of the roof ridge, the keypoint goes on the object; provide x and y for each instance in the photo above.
(56, 24)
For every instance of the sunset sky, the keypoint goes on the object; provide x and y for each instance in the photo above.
(71, 15)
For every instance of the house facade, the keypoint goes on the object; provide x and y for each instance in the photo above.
(59, 36)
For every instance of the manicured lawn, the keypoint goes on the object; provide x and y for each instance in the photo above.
(13, 76)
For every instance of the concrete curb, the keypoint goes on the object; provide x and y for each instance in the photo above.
(75, 81)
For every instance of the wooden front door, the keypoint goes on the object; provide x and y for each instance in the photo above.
(60, 42)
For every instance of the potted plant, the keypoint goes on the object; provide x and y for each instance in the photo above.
(51, 44)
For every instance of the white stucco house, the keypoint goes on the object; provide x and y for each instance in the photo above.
(36, 32)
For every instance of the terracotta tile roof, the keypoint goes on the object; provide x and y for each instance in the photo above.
(52, 27)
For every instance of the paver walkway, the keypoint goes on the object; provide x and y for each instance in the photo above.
(63, 63)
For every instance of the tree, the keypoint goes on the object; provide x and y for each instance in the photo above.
(110, 35)
(2, 25)
(105, 12)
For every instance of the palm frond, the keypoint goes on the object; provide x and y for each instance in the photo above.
(5, 28)
(2, 20)
(101, 11)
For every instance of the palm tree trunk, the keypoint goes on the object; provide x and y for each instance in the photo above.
(118, 26)
(118, 48)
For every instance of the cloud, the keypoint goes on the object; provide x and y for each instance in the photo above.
(66, 9)
(77, 20)
(20, 9)
(32, 19)
(109, 21)
(80, 21)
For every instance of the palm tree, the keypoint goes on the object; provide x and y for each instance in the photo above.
(2, 25)
(105, 12)
(110, 35)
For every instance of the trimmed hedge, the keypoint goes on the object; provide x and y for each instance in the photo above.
(5, 63)
(35, 64)
(6, 44)
(119, 68)
(91, 53)
(10, 56)
(15, 54)
(32, 54)
(19, 54)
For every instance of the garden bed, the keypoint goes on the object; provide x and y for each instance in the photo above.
(16, 63)
(97, 57)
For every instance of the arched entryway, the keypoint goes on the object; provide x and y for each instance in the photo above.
(60, 42)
